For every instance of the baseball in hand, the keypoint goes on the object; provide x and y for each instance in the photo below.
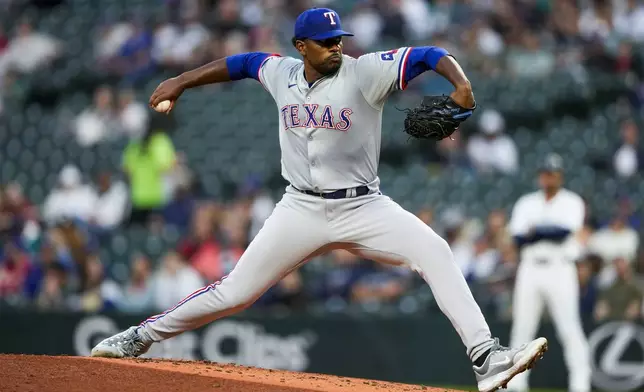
(163, 106)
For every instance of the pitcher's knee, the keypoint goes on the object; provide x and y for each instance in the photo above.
(239, 300)
(438, 248)
(432, 252)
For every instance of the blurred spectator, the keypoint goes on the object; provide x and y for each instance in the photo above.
(587, 269)
(139, 291)
(629, 20)
(175, 281)
(497, 229)
(395, 27)
(200, 247)
(148, 164)
(626, 209)
(366, 23)
(181, 178)
(17, 203)
(233, 43)
(596, 20)
(531, 59)
(135, 61)
(382, 284)
(112, 203)
(628, 158)
(622, 300)
(263, 39)
(179, 211)
(51, 296)
(66, 253)
(30, 51)
(98, 122)
(236, 241)
(166, 34)
(4, 41)
(227, 17)
(133, 115)
(419, 23)
(46, 261)
(14, 270)
(260, 202)
(616, 241)
(566, 34)
(452, 153)
(15, 211)
(453, 222)
(234, 234)
(334, 285)
(485, 259)
(98, 292)
(76, 244)
(496, 290)
(71, 200)
(186, 41)
(4, 44)
(110, 39)
(625, 58)
(7, 219)
(287, 293)
(491, 150)
(487, 41)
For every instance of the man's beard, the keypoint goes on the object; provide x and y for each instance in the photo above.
(330, 67)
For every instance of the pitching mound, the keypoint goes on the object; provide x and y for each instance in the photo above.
(28, 373)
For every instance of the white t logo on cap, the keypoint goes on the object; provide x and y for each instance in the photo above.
(331, 16)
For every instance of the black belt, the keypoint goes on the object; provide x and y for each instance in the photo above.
(339, 194)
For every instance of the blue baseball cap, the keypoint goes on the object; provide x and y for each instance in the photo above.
(319, 24)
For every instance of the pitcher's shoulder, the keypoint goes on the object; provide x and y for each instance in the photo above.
(348, 63)
(283, 63)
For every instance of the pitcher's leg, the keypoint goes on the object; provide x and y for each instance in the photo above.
(527, 309)
(382, 228)
(384, 231)
(296, 230)
(287, 238)
(563, 302)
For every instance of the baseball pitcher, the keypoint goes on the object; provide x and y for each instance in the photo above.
(544, 225)
(330, 107)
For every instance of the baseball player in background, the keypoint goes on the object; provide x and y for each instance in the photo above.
(544, 225)
(330, 113)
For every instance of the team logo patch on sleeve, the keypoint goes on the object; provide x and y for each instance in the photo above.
(388, 56)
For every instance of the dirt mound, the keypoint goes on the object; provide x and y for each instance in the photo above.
(28, 373)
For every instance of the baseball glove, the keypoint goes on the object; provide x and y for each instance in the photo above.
(436, 118)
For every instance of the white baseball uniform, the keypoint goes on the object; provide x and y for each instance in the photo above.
(329, 135)
(547, 276)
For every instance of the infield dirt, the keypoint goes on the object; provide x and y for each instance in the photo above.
(33, 373)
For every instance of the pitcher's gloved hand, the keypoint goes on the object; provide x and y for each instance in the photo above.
(436, 118)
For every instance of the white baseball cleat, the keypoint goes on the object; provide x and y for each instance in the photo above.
(503, 363)
(127, 344)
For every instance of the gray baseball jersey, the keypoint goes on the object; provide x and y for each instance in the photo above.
(330, 131)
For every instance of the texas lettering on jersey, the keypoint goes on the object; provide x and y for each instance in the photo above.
(312, 116)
